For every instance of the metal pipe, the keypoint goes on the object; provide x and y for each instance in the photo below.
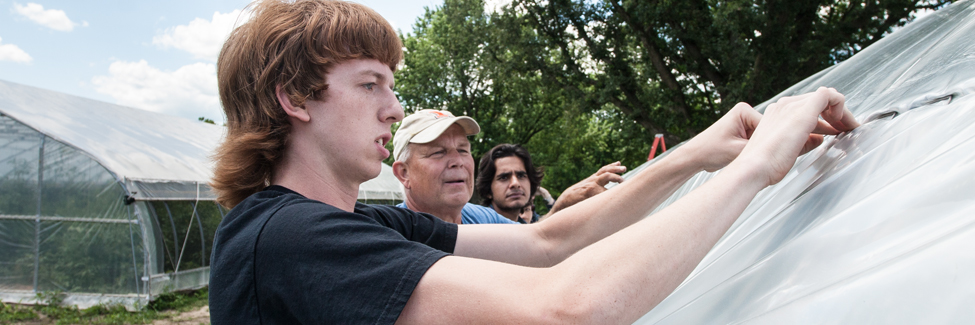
(37, 218)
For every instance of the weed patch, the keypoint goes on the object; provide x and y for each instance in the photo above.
(51, 309)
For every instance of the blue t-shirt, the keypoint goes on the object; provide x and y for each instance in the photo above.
(476, 214)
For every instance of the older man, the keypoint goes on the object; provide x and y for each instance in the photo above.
(434, 163)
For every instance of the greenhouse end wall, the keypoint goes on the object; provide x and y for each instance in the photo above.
(67, 226)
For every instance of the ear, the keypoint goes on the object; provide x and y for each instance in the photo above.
(297, 112)
(400, 171)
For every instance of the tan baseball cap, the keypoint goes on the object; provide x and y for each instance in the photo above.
(427, 125)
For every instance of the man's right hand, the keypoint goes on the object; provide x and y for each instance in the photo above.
(791, 127)
(589, 187)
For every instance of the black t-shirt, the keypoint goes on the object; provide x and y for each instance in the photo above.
(280, 258)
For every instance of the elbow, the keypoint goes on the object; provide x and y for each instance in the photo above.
(550, 249)
(578, 310)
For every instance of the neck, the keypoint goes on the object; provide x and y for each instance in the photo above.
(448, 214)
(513, 215)
(315, 183)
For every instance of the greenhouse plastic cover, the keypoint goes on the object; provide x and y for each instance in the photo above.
(157, 156)
(877, 225)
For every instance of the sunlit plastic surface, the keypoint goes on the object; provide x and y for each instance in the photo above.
(137, 146)
(877, 225)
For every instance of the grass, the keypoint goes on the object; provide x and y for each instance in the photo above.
(15, 313)
(52, 310)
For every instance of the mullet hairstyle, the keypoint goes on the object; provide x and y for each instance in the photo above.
(291, 44)
(486, 170)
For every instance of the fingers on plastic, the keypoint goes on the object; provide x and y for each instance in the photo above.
(814, 141)
(833, 110)
(823, 127)
(825, 102)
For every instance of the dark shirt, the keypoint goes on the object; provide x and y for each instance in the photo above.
(280, 258)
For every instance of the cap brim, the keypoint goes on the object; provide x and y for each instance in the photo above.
(434, 131)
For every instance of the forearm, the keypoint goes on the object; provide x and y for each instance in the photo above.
(547, 243)
(582, 224)
(642, 264)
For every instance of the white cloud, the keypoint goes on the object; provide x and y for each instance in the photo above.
(202, 38)
(10, 52)
(190, 91)
(50, 18)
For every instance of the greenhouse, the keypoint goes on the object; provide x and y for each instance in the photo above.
(104, 203)
(108, 204)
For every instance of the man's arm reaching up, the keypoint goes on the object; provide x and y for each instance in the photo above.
(587, 188)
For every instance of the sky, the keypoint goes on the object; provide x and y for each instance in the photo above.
(153, 55)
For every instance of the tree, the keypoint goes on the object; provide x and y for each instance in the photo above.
(452, 63)
(583, 83)
(464, 60)
(674, 67)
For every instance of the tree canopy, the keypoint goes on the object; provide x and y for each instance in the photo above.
(585, 83)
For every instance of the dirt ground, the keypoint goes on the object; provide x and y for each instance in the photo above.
(192, 317)
(199, 316)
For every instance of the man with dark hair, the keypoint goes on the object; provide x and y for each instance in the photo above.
(506, 172)
(507, 181)
(307, 87)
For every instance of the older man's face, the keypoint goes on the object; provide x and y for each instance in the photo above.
(441, 173)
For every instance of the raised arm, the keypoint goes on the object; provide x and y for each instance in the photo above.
(549, 242)
(587, 188)
(623, 276)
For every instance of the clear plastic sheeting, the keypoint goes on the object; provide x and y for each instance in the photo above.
(877, 225)
(134, 144)
(71, 224)
(63, 224)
